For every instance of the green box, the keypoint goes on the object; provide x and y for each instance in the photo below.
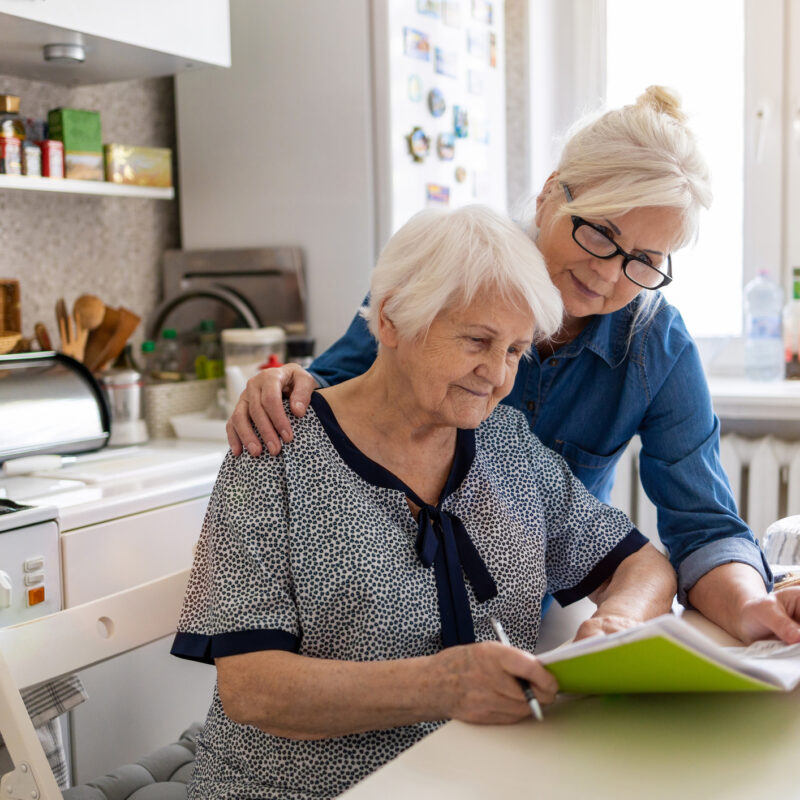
(80, 132)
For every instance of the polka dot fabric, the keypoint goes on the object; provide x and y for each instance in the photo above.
(300, 553)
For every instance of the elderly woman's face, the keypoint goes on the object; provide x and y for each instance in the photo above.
(468, 361)
(591, 285)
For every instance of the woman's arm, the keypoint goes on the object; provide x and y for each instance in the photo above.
(734, 596)
(642, 587)
(261, 403)
(298, 697)
(681, 469)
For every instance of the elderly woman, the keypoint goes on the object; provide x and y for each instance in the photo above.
(626, 195)
(344, 589)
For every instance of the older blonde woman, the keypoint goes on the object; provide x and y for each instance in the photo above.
(344, 589)
(625, 197)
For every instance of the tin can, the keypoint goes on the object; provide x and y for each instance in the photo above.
(31, 159)
(52, 158)
(10, 156)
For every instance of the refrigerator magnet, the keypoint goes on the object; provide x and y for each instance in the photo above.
(414, 88)
(461, 174)
(437, 195)
(482, 11)
(419, 144)
(451, 13)
(480, 129)
(430, 8)
(446, 146)
(436, 102)
(476, 82)
(460, 122)
(446, 62)
(416, 44)
(477, 44)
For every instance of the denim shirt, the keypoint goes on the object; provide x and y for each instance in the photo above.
(589, 398)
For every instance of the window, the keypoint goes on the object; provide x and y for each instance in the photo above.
(736, 66)
(710, 80)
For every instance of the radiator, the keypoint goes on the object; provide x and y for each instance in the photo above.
(764, 475)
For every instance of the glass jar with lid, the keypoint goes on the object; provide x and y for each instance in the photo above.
(11, 124)
(246, 351)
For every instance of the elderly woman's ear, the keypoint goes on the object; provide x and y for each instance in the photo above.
(387, 332)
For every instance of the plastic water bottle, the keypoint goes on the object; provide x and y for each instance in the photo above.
(763, 348)
(149, 360)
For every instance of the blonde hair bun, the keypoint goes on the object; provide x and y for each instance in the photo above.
(662, 100)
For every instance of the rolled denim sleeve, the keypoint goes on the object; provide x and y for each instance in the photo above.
(348, 357)
(682, 475)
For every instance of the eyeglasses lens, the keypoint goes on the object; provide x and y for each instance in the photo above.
(601, 246)
(594, 242)
(643, 274)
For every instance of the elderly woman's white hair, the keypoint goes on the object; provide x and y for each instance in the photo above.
(442, 259)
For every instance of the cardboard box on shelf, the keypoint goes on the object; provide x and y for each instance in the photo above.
(139, 166)
(81, 134)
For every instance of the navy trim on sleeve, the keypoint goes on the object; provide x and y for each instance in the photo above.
(197, 647)
(604, 568)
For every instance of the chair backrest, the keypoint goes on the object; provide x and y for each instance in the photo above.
(62, 643)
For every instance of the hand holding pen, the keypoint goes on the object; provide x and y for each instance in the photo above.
(533, 703)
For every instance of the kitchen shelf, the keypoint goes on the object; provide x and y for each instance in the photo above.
(68, 186)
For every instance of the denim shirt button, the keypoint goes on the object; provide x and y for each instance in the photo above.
(531, 406)
(553, 362)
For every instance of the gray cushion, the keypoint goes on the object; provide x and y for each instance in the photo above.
(162, 775)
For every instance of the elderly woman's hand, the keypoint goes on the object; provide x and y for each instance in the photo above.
(478, 683)
(262, 401)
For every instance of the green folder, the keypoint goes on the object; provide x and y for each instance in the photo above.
(668, 655)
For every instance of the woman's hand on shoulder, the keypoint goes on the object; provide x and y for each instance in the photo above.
(478, 683)
(261, 405)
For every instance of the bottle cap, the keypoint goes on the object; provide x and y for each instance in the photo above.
(169, 333)
(148, 346)
(9, 103)
(208, 326)
(272, 361)
(273, 335)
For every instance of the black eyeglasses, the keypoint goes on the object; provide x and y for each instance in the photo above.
(638, 269)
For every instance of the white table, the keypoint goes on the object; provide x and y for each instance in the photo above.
(737, 747)
(642, 747)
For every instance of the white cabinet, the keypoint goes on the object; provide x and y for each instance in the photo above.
(123, 39)
(128, 715)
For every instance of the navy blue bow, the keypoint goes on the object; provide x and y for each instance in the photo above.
(443, 542)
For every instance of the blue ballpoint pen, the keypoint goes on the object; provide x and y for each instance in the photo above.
(536, 709)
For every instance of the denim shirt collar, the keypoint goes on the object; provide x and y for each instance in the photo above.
(606, 336)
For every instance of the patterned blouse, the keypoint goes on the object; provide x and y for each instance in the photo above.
(316, 552)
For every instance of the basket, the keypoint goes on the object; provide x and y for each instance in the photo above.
(165, 400)
(8, 340)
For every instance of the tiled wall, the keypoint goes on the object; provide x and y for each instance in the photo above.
(66, 245)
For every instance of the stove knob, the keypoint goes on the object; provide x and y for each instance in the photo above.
(5, 590)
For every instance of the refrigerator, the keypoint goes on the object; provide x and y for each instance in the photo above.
(336, 122)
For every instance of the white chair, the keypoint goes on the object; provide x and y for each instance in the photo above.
(62, 643)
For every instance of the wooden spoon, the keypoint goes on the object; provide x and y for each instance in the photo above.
(42, 336)
(89, 312)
